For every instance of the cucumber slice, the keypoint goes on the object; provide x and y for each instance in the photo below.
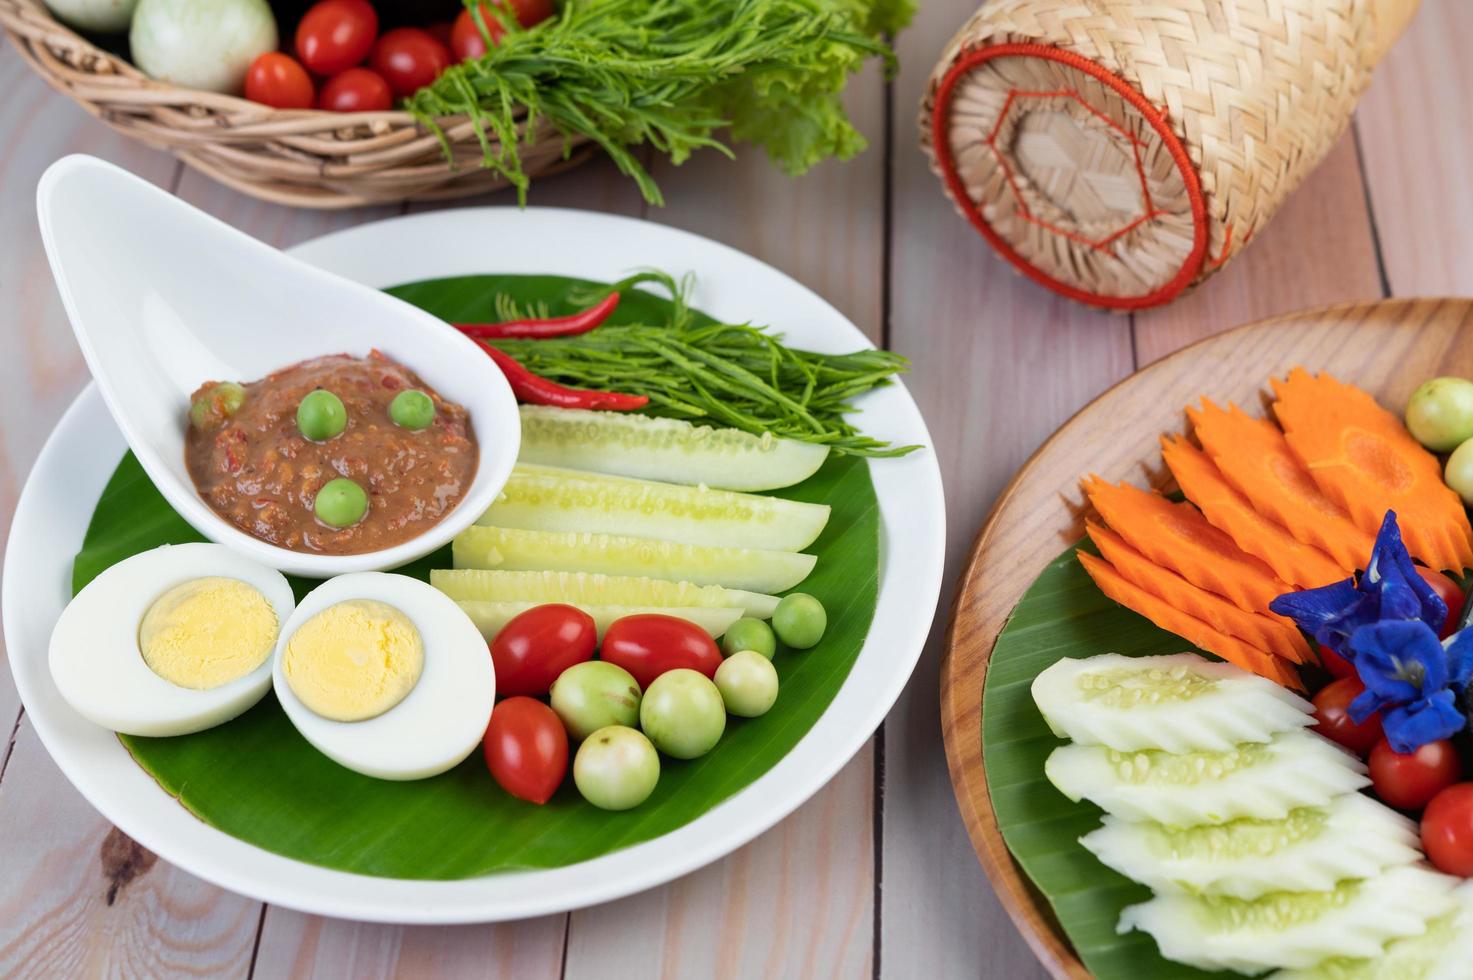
(1176, 703)
(1312, 849)
(1264, 781)
(586, 588)
(536, 499)
(1294, 929)
(1443, 952)
(491, 617)
(665, 449)
(509, 549)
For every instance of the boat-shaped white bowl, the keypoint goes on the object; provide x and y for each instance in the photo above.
(163, 297)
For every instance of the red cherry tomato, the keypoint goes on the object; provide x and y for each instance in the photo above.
(1407, 782)
(441, 31)
(526, 749)
(1337, 665)
(356, 90)
(466, 40)
(277, 80)
(409, 59)
(1332, 716)
(1447, 830)
(536, 646)
(335, 35)
(649, 644)
(465, 37)
(1450, 593)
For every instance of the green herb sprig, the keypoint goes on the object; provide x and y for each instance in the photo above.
(737, 375)
(670, 74)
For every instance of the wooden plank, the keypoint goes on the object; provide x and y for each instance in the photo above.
(43, 370)
(998, 364)
(1318, 249)
(1416, 146)
(78, 898)
(594, 186)
(272, 223)
(295, 945)
(798, 901)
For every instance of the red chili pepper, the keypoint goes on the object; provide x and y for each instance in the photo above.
(538, 390)
(557, 326)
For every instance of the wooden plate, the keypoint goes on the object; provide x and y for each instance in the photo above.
(1387, 348)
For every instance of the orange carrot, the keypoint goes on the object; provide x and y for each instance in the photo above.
(1292, 560)
(1272, 634)
(1194, 631)
(1254, 457)
(1364, 459)
(1178, 537)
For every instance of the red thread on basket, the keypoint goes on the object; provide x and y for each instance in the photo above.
(1153, 116)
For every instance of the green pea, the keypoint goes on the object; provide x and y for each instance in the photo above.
(219, 401)
(340, 503)
(412, 409)
(321, 415)
(749, 634)
(799, 620)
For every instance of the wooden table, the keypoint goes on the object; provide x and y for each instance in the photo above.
(874, 876)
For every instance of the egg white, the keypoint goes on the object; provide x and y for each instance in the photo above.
(439, 722)
(94, 655)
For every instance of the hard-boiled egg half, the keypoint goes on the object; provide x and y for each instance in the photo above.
(170, 641)
(385, 675)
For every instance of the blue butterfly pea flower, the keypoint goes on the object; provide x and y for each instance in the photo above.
(1409, 675)
(1410, 726)
(1389, 589)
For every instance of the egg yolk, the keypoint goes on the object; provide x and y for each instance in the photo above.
(207, 632)
(354, 660)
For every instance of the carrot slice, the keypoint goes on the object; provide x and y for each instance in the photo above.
(1194, 631)
(1228, 510)
(1254, 457)
(1178, 537)
(1268, 633)
(1364, 459)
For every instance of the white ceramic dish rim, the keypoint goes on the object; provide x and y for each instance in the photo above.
(52, 514)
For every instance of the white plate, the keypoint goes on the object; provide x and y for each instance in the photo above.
(62, 491)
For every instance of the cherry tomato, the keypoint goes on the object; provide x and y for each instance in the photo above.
(335, 35)
(1450, 593)
(535, 647)
(1447, 830)
(441, 31)
(649, 644)
(409, 59)
(1407, 782)
(277, 80)
(1332, 716)
(356, 90)
(465, 37)
(466, 40)
(526, 749)
(1337, 665)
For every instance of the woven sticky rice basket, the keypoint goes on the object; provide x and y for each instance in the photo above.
(1121, 152)
(305, 158)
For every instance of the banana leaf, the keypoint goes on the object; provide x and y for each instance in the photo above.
(257, 779)
(1063, 614)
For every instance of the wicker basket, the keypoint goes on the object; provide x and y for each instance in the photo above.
(1120, 152)
(304, 158)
